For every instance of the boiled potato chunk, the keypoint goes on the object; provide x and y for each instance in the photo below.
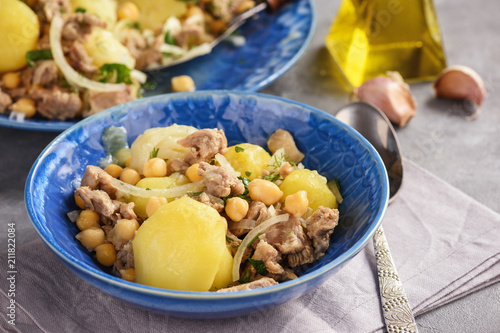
(162, 139)
(155, 182)
(310, 181)
(224, 275)
(104, 9)
(19, 30)
(246, 157)
(104, 48)
(153, 13)
(180, 246)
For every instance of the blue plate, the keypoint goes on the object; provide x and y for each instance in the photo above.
(274, 42)
(331, 147)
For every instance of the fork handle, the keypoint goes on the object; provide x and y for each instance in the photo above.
(398, 316)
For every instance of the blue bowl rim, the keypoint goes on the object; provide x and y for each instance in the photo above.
(190, 295)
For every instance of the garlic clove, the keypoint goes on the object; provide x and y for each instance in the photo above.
(460, 82)
(391, 95)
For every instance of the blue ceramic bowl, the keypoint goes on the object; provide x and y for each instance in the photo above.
(273, 43)
(332, 148)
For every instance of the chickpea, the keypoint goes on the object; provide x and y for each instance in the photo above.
(114, 170)
(182, 83)
(217, 26)
(123, 231)
(26, 106)
(127, 161)
(153, 204)
(11, 80)
(128, 274)
(130, 176)
(246, 5)
(236, 208)
(105, 254)
(263, 190)
(155, 167)
(91, 237)
(87, 219)
(79, 201)
(192, 173)
(194, 10)
(208, 18)
(296, 204)
(128, 10)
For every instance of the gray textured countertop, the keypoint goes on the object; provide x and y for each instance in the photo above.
(464, 153)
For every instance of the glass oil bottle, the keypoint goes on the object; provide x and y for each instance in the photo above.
(371, 37)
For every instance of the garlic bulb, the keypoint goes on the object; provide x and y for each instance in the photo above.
(461, 82)
(391, 95)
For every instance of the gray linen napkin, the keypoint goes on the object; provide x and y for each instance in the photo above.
(444, 243)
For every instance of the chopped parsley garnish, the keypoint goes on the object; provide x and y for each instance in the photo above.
(154, 153)
(272, 177)
(35, 55)
(148, 189)
(259, 266)
(114, 73)
(248, 173)
(149, 85)
(229, 239)
(253, 240)
(80, 10)
(244, 195)
(169, 39)
(66, 84)
(245, 278)
(239, 149)
(245, 182)
(135, 25)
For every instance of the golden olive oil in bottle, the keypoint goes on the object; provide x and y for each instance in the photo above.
(371, 37)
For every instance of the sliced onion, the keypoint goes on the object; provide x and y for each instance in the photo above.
(73, 215)
(138, 76)
(237, 41)
(17, 116)
(126, 190)
(248, 239)
(332, 185)
(197, 51)
(172, 25)
(226, 165)
(172, 49)
(41, 66)
(303, 222)
(271, 211)
(72, 76)
(276, 160)
(196, 19)
(245, 224)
